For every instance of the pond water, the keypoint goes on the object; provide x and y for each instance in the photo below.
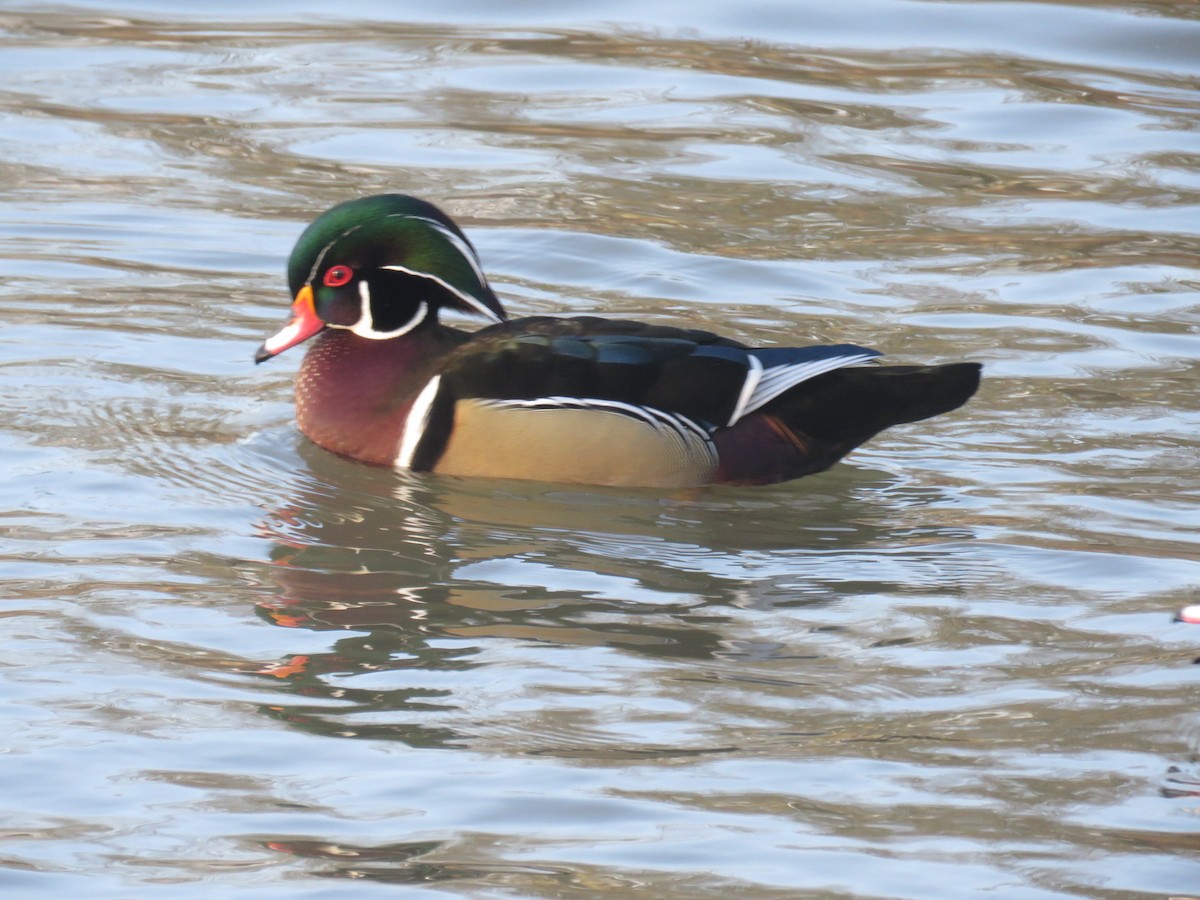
(233, 662)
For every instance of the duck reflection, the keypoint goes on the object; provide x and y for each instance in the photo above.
(429, 574)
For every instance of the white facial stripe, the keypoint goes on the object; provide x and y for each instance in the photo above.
(464, 250)
(365, 326)
(463, 247)
(465, 298)
(320, 256)
(416, 422)
(364, 296)
(459, 244)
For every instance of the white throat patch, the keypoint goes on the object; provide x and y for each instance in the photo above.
(365, 326)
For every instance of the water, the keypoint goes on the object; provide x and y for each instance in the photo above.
(232, 661)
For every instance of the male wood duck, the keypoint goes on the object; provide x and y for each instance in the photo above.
(580, 399)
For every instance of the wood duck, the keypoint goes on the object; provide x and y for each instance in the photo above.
(580, 399)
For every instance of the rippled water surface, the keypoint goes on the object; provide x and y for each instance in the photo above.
(948, 667)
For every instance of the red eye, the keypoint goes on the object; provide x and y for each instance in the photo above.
(338, 275)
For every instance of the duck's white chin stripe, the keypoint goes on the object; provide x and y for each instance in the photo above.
(365, 326)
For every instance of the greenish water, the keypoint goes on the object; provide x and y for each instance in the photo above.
(233, 662)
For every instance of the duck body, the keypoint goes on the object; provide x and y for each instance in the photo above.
(580, 399)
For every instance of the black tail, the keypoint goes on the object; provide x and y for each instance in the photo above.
(835, 412)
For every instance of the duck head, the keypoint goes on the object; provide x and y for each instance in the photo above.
(380, 267)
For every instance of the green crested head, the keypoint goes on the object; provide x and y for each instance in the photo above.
(381, 266)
